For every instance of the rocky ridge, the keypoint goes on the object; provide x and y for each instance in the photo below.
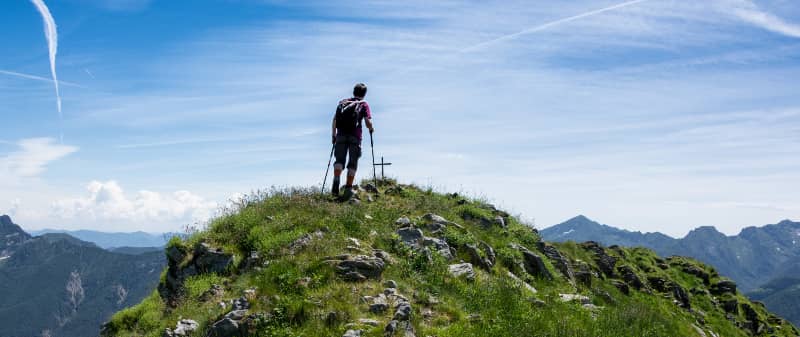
(395, 266)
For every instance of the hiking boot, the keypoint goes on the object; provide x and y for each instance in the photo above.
(335, 188)
(348, 193)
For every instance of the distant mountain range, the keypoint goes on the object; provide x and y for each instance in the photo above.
(764, 261)
(113, 240)
(58, 285)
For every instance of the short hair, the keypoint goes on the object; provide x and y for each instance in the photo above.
(360, 90)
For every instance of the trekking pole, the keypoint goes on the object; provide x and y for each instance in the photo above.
(327, 169)
(372, 147)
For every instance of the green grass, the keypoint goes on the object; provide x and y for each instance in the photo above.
(301, 291)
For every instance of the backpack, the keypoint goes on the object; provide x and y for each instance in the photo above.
(348, 116)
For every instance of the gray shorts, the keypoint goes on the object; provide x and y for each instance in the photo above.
(347, 145)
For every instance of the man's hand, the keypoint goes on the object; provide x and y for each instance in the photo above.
(371, 130)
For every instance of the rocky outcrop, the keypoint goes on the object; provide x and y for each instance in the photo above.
(483, 257)
(357, 268)
(462, 270)
(416, 240)
(204, 259)
(723, 287)
(560, 262)
(630, 277)
(532, 263)
(604, 261)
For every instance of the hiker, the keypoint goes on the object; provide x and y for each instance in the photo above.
(347, 135)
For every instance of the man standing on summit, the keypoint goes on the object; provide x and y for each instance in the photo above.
(347, 135)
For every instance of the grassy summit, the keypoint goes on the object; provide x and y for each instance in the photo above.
(289, 276)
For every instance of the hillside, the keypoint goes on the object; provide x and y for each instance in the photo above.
(752, 258)
(411, 262)
(56, 285)
(781, 295)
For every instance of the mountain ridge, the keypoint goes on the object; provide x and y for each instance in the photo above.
(57, 285)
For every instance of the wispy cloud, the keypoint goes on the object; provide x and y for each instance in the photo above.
(549, 25)
(51, 33)
(750, 12)
(32, 158)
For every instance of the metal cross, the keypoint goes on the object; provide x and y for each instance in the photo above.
(382, 164)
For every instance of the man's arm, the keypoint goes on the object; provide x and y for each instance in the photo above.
(369, 124)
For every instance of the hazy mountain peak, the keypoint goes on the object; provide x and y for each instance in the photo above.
(704, 231)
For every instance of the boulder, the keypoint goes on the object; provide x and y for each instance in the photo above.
(225, 327)
(534, 265)
(359, 268)
(462, 270)
(403, 222)
(411, 236)
(437, 245)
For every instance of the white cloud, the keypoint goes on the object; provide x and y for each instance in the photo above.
(107, 203)
(32, 158)
(751, 13)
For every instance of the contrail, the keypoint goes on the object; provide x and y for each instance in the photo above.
(39, 78)
(548, 25)
(52, 42)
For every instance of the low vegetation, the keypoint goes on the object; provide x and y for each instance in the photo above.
(286, 243)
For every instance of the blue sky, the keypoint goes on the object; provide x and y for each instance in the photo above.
(655, 115)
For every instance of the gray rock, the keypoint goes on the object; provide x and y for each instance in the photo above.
(500, 221)
(403, 222)
(352, 333)
(485, 261)
(462, 270)
(390, 284)
(410, 236)
(359, 267)
(209, 259)
(534, 265)
(241, 303)
(604, 261)
(559, 261)
(225, 327)
(438, 245)
(185, 327)
(433, 218)
(236, 315)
